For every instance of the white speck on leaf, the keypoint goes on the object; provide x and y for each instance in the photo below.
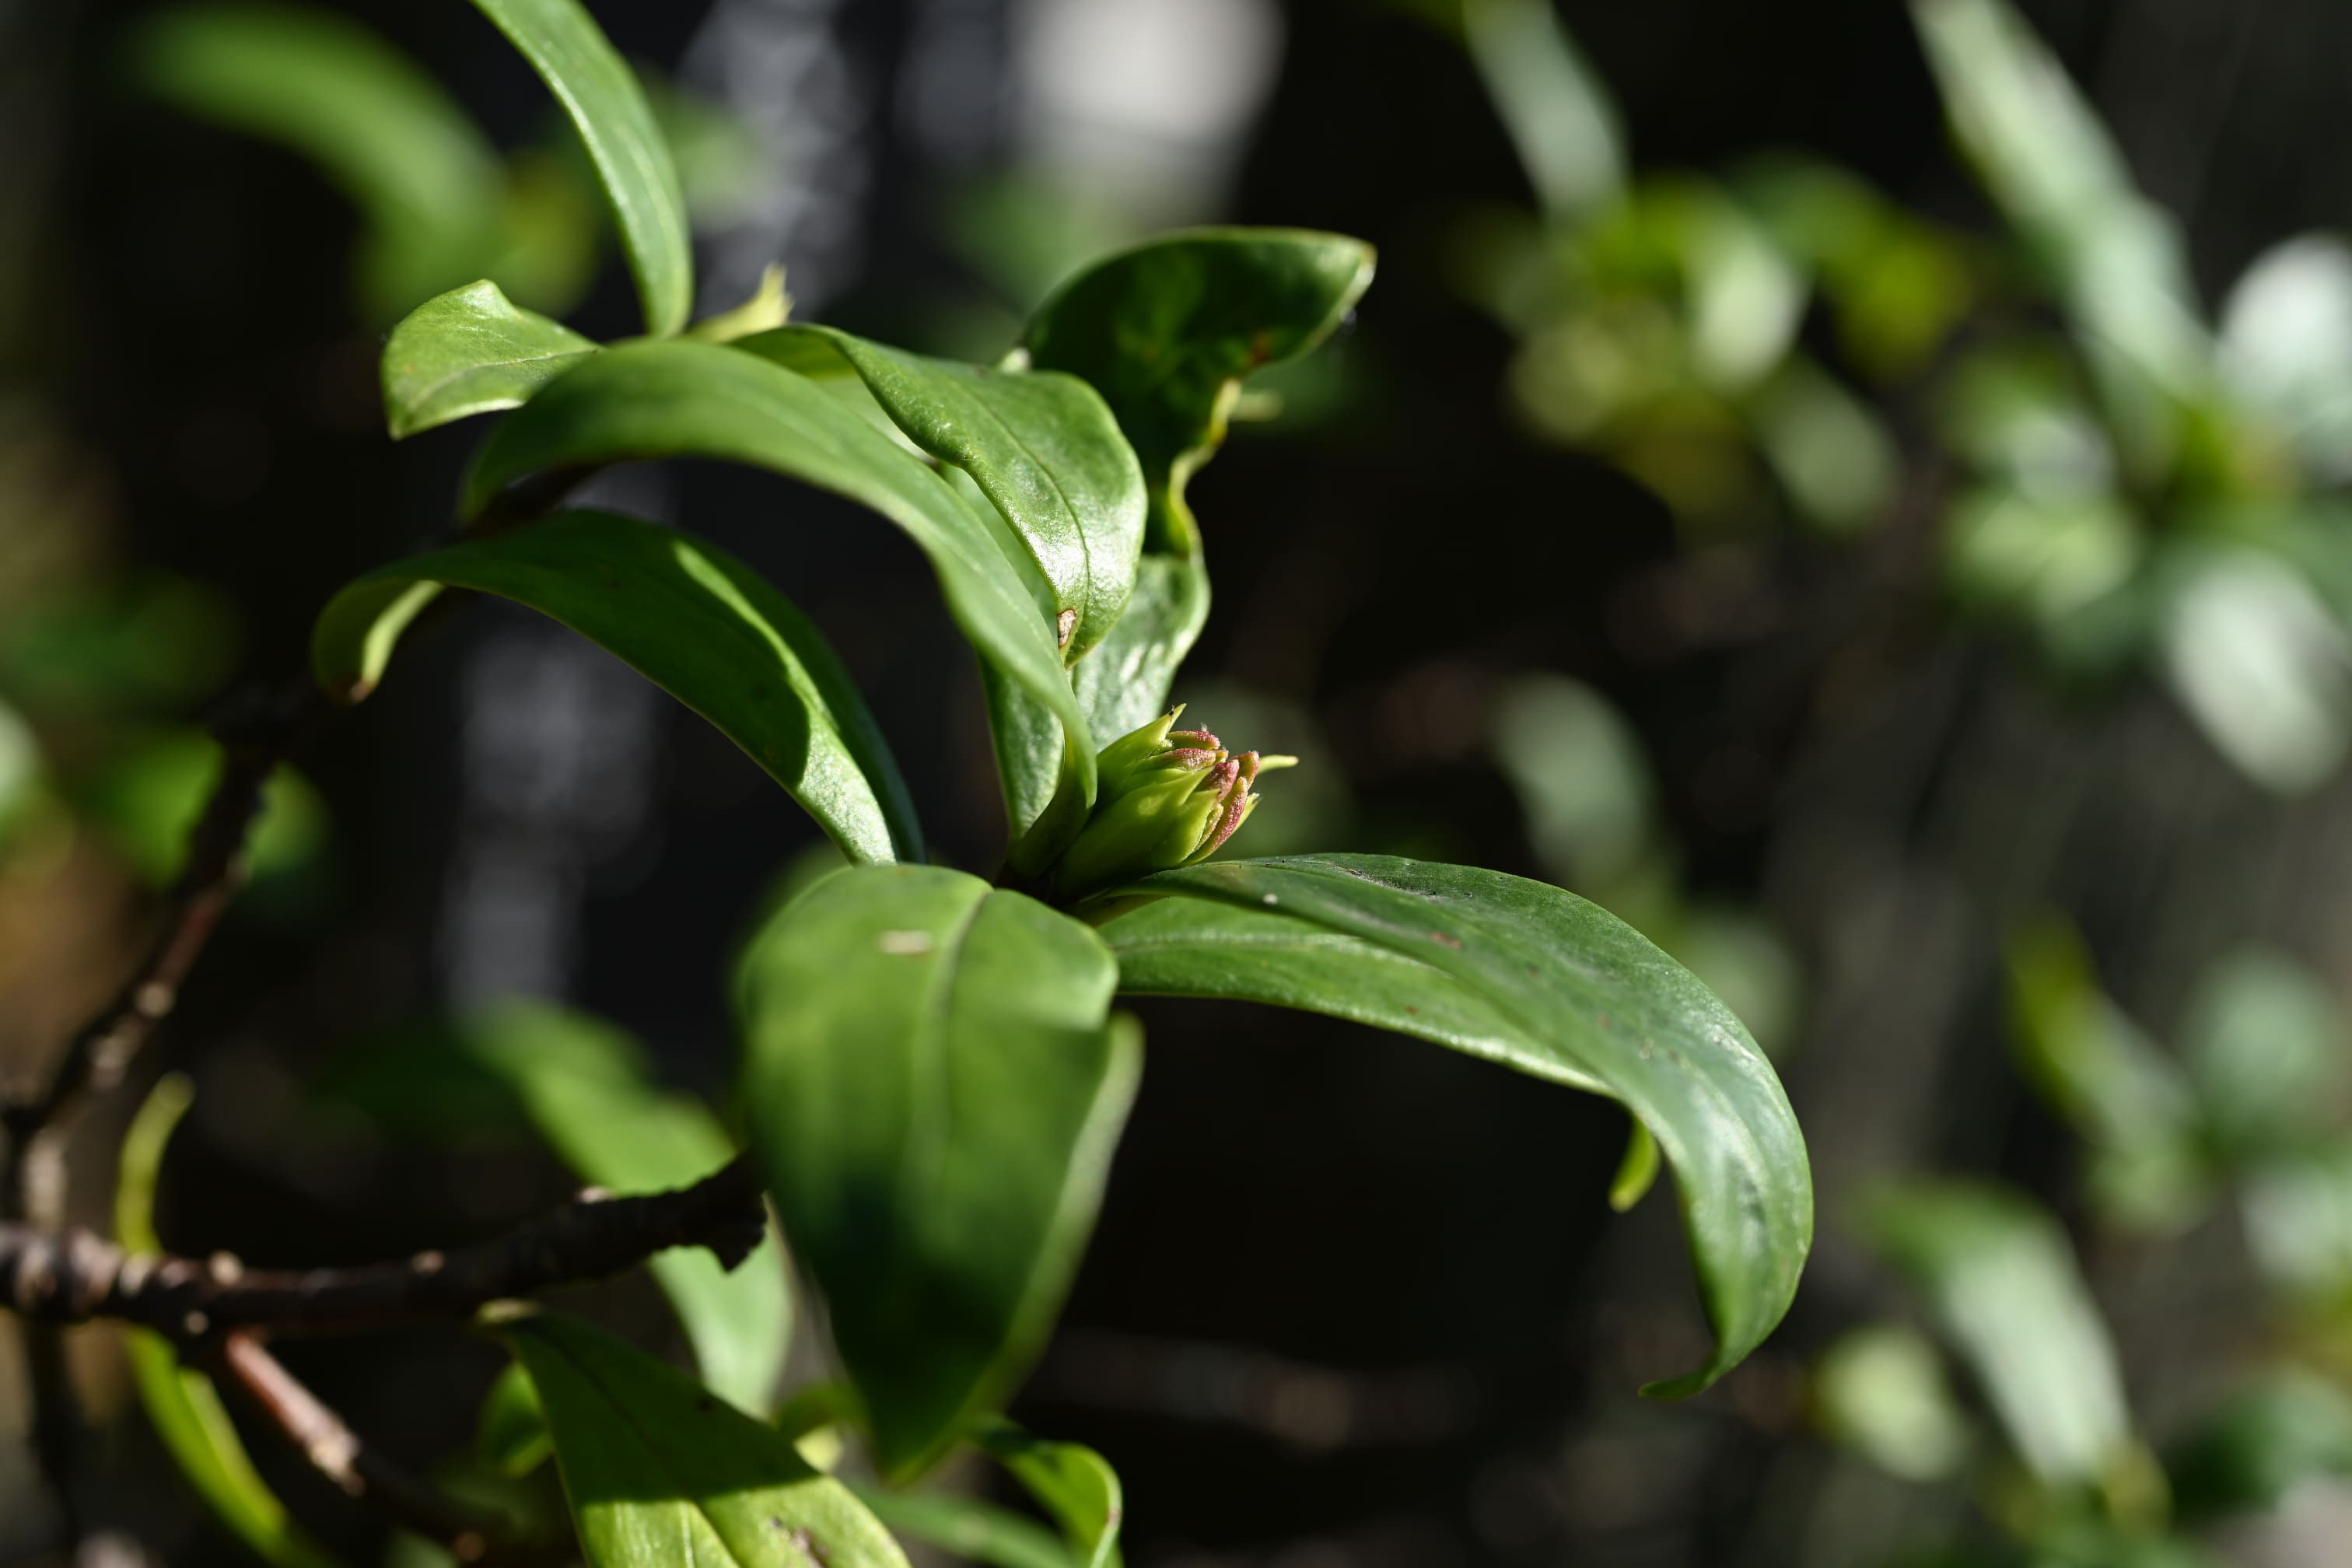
(904, 943)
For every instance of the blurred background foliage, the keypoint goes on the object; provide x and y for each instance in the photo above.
(1857, 489)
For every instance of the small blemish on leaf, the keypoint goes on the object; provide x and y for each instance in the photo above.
(1064, 624)
(1269, 898)
(1442, 940)
(904, 943)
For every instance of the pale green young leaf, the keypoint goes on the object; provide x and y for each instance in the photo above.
(470, 351)
(658, 1473)
(703, 400)
(608, 107)
(691, 618)
(933, 1087)
(1075, 1485)
(1580, 997)
(186, 1410)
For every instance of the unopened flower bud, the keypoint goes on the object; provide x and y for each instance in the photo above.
(1166, 797)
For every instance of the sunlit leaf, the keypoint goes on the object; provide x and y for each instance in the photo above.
(688, 617)
(933, 1087)
(470, 351)
(585, 1087)
(974, 1531)
(187, 1412)
(704, 400)
(1556, 987)
(1072, 1483)
(658, 1473)
(608, 107)
(2002, 1283)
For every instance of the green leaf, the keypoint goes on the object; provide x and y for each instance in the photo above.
(1075, 1485)
(690, 399)
(974, 1532)
(2286, 346)
(660, 1473)
(2280, 1429)
(1559, 988)
(1561, 119)
(586, 1088)
(934, 1089)
(2002, 1283)
(333, 91)
(693, 620)
(2265, 1043)
(1881, 1390)
(470, 351)
(1166, 330)
(1043, 448)
(186, 1410)
(511, 1436)
(608, 107)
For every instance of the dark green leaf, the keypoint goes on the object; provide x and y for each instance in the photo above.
(470, 351)
(689, 399)
(660, 1473)
(584, 1086)
(693, 619)
(933, 1090)
(188, 1415)
(382, 129)
(2279, 1430)
(2002, 1283)
(1043, 448)
(1581, 998)
(1075, 1485)
(608, 107)
(1166, 330)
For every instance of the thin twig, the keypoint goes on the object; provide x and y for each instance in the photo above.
(337, 1453)
(76, 1276)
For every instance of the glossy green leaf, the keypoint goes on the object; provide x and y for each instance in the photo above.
(380, 127)
(186, 1410)
(973, 1530)
(1166, 330)
(1585, 1000)
(658, 1473)
(2001, 1284)
(933, 1087)
(1075, 1485)
(1042, 446)
(470, 351)
(590, 1093)
(608, 107)
(693, 619)
(703, 400)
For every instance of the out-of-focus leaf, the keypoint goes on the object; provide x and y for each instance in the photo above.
(2010, 554)
(130, 645)
(511, 1436)
(2286, 346)
(658, 1473)
(2092, 1065)
(689, 399)
(1586, 999)
(20, 769)
(1075, 1485)
(2001, 1282)
(768, 308)
(2266, 1044)
(148, 795)
(1739, 956)
(934, 1088)
(586, 1089)
(1582, 779)
(1829, 451)
(2298, 1213)
(187, 1412)
(2051, 168)
(1561, 119)
(379, 126)
(469, 352)
(1042, 446)
(1166, 330)
(692, 619)
(974, 1532)
(2263, 667)
(2280, 1429)
(2019, 414)
(1881, 1392)
(608, 107)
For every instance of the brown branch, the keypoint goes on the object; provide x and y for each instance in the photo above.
(337, 1453)
(76, 1276)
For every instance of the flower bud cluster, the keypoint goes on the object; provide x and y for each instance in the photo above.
(1166, 797)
